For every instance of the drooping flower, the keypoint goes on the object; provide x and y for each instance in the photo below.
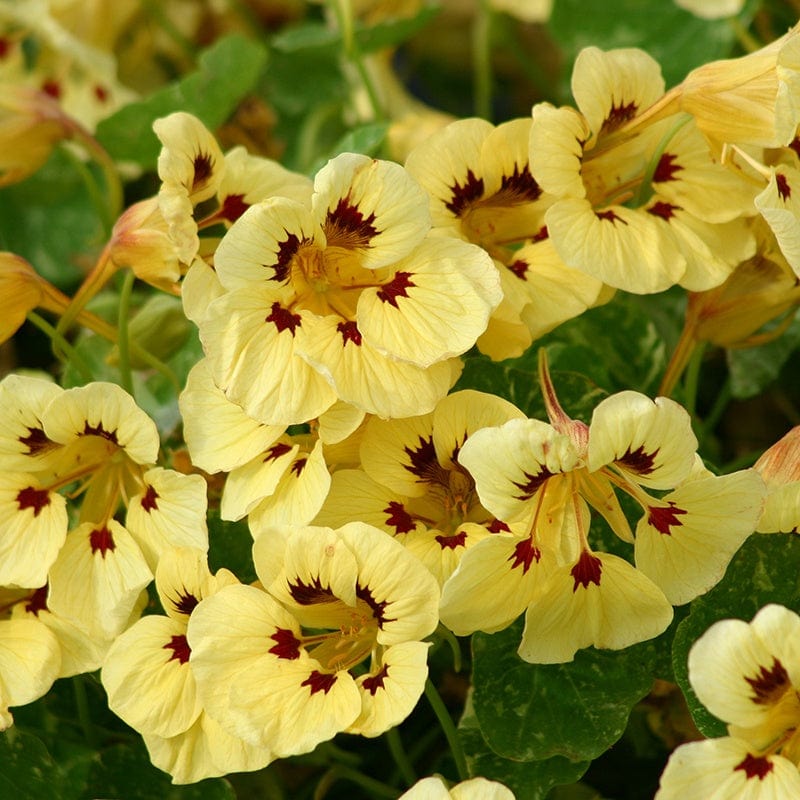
(333, 600)
(435, 788)
(748, 675)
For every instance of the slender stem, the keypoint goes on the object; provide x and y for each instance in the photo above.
(113, 205)
(82, 706)
(717, 410)
(450, 732)
(400, 756)
(646, 186)
(373, 787)
(692, 379)
(455, 648)
(61, 347)
(679, 359)
(123, 337)
(482, 60)
(746, 39)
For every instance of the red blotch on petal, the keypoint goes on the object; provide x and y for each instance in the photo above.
(452, 542)
(319, 681)
(662, 519)
(36, 441)
(463, 195)
(610, 216)
(307, 594)
(350, 333)
(36, 499)
(185, 603)
(525, 553)
(638, 460)
(149, 500)
(5, 47)
(666, 168)
(755, 767)
(389, 292)
(520, 269)
(664, 210)
(101, 540)
(345, 226)
(101, 93)
(378, 607)
(37, 601)
(423, 459)
(375, 682)
(533, 483)
(288, 645)
(283, 319)
(180, 649)
(770, 684)
(276, 451)
(398, 517)
(520, 186)
(287, 249)
(52, 88)
(496, 526)
(618, 116)
(586, 571)
(298, 465)
(203, 167)
(233, 206)
(784, 190)
(99, 430)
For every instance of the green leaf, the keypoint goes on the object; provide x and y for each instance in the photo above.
(765, 570)
(50, 220)
(753, 369)
(227, 72)
(537, 711)
(678, 40)
(27, 770)
(529, 780)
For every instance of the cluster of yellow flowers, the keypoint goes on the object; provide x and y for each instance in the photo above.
(333, 315)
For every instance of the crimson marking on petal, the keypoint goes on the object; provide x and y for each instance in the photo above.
(533, 483)
(610, 216)
(520, 269)
(639, 460)
(52, 88)
(350, 333)
(36, 499)
(464, 195)
(618, 116)
(276, 451)
(452, 542)
(36, 441)
(770, 684)
(102, 540)
(520, 186)
(283, 318)
(203, 166)
(185, 602)
(287, 249)
(378, 607)
(345, 226)
(180, 648)
(309, 594)
(149, 500)
(5, 47)
(101, 93)
(389, 292)
(298, 465)
(37, 601)
(398, 517)
(663, 519)
(496, 526)
(525, 553)
(664, 210)
(375, 682)
(424, 463)
(320, 681)
(99, 430)
(784, 190)
(795, 145)
(755, 767)
(666, 168)
(586, 571)
(233, 206)
(541, 234)
(288, 645)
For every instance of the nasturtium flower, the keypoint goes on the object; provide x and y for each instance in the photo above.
(150, 683)
(636, 211)
(332, 600)
(779, 466)
(746, 674)
(481, 189)
(30, 659)
(411, 485)
(347, 298)
(551, 475)
(434, 788)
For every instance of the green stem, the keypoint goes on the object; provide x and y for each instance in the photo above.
(482, 60)
(717, 410)
(746, 39)
(156, 363)
(308, 138)
(400, 756)
(374, 788)
(450, 732)
(123, 333)
(455, 648)
(646, 187)
(692, 379)
(62, 349)
(114, 201)
(82, 706)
